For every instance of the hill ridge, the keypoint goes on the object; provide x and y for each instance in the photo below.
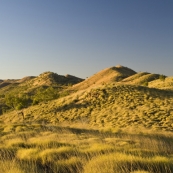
(107, 75)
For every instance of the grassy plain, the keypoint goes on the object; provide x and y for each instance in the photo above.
(39, 148)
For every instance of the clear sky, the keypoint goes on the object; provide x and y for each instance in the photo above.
(82, 37)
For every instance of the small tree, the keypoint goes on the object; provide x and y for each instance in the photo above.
(43, 95)
(162, 77)
(145, 83)
(17, 102)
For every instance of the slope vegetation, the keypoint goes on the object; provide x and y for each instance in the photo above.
(108, 123)
(111, 106)
(31, 90)
(162, 84)
(112, 98)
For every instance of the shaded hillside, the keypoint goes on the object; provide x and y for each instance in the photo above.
(50, 78)
(10, 84)
(111, 106)
(4, 83)
(108, 75)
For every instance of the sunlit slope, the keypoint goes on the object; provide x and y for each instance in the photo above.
(162, 84)
(141, 78)
(110, 106)
(108, 75)
(134, 77)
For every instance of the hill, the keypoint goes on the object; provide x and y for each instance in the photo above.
(111, 106)
(141, 78)
(108, 75)
(166, 84)
(44, 79)
(50, 78)
(115, 121)
(113, 97)
(33, 89)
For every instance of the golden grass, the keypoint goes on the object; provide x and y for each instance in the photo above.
(166, 84)
(114, 106)
(107, 128)
(142, 78)
(27, 154)
(10, 167)
(56, 149)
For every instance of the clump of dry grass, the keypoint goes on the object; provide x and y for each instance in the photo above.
(118, 162)
(52, 155)
(27, 154)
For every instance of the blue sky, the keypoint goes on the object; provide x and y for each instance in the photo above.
(80, 37)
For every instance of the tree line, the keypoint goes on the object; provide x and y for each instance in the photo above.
(23, 100)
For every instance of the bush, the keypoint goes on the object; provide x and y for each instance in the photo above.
(162, 77)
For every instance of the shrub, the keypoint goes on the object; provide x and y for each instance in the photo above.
(162, 77)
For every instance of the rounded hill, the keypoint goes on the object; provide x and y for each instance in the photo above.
(50, 78)
(141, 78)
(108, 75)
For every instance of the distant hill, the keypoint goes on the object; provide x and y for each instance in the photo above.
(35, 88)
(50, 78)
(108, 75)
(44, 79)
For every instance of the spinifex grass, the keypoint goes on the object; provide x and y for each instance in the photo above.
(53, 149)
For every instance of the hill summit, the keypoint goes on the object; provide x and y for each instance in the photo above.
(108, 75)
(50, 78)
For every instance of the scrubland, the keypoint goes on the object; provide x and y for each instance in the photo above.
(117, 121)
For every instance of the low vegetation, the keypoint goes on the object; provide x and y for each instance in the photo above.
(107, 106)
(19, 94)
(117, 121)
(53, 149)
